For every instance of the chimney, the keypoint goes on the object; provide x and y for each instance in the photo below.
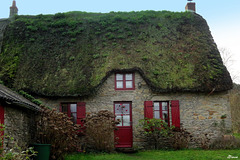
(190, 7)
(13, 9)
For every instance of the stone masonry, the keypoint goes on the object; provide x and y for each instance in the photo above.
(20, 125)
(200, 113)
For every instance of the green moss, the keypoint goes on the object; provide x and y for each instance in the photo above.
(70, 53)
(30, 97)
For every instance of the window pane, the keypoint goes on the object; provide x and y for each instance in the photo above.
(129, 77)
(122, 109)
(64, 108)
(129, 84)
(165, 115)
(125, 109)
(156, 114)
(156, 106)
(119, 77)
(126, 120)
(119, 118)
(73, 107)
(74, 117)
(164, 106)
(119, 84)
(118, 109)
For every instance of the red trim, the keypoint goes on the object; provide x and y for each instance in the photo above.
(124, 81)
(1, 114)
(60, 107)
(69, 110)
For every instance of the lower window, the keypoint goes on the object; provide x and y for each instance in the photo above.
(161, 111)
(166, 110)
(77, 111)
(71, 110)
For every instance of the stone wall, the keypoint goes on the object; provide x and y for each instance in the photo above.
(3, 24)
(19, 124)
(200, 113)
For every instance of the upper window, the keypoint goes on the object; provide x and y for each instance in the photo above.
(124, 81)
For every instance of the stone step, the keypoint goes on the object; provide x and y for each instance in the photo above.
(126, 150)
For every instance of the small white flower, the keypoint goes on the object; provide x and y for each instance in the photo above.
(230, 156)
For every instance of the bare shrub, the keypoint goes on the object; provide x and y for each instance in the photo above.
(225, 142)
(180, 139)
(99, 130)
(57, 129)
(204, 141)
(234, 98)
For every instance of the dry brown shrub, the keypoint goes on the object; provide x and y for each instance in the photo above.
(234, 98)
(57, 129)
(99, 130)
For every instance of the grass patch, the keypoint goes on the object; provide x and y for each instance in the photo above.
(161, 155)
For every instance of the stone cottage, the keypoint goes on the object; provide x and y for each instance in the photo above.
(17, 114)
(155, 64)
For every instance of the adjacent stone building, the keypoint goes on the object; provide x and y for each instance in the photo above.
(18, 116)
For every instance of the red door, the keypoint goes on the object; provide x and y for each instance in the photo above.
(123, 136)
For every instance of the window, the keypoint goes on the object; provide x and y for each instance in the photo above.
(162, 109)
(76, 111)
(124, 81)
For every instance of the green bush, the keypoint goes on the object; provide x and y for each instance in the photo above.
(155, 130)
(13, 151)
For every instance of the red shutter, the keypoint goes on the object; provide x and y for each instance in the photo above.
(81, 112)
(148, 109)
(175, 113)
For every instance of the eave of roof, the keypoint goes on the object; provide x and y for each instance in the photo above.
(12, 97)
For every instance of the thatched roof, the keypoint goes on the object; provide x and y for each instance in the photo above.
(71, 54)
(12, 97)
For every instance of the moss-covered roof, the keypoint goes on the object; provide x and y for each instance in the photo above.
(70, 54)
